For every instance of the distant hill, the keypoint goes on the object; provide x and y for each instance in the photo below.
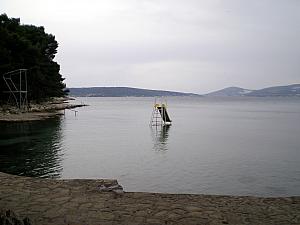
(230, 92)
(122, 92)
(289, 90)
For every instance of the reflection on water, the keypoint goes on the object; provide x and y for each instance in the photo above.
(160, 135)
(244, 146)
(31, 148)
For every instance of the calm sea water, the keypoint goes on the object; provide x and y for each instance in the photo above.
(238, 146)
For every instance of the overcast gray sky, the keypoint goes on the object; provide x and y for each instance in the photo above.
(183, 45)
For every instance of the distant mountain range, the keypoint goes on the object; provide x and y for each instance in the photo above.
(289, 90)
(122, 92)
(230, 92)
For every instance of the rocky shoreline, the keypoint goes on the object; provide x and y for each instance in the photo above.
(84, 201)
(41, 111)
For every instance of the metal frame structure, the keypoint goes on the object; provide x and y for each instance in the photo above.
(157, 117)
(16, 82)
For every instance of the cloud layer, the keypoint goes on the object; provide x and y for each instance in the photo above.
(184, 45)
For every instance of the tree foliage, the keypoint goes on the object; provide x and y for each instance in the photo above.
(30, 47)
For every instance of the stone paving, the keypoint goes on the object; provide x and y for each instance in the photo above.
(47, 201)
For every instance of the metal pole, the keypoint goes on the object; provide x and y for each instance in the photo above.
(26, 100)
(20, 89)
(156, 116)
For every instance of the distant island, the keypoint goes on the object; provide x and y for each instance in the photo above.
(277, 91)
(122, 92)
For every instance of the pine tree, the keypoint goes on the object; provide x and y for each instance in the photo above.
(30, 47)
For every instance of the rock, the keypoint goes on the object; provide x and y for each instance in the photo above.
(114, 187)
(8, 217)
(118, 191)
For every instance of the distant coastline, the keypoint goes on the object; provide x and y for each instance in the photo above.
(123, 92)
(276, 91)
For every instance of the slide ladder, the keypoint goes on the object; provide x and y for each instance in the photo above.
(160, 116)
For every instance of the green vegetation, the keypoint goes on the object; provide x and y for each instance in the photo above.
(29, 47)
